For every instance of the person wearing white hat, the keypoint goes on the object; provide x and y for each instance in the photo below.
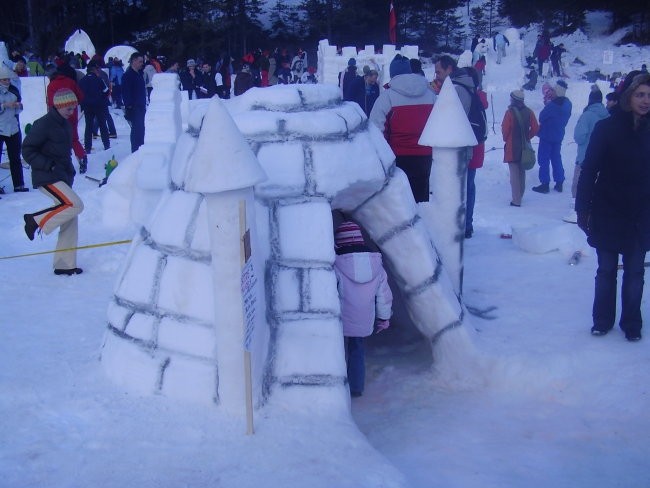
(10, 107)
(191, 80)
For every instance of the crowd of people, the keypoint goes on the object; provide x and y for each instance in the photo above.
(611, 185)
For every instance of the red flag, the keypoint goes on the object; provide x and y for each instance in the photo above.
(392, 25)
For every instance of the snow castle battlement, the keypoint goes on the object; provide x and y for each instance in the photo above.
(173, 321)
(331, 63)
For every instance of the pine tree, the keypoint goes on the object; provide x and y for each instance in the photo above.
(279, 15)
(452, 30)
(478, 24)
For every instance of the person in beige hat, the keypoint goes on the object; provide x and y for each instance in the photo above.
(47, 149)
(517, 120)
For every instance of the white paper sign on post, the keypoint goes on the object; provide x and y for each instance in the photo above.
(608, 57)
(249, 301)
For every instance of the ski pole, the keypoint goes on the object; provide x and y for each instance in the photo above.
(89, 246)
(492, 106)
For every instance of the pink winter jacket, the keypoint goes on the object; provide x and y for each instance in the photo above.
(363, 291)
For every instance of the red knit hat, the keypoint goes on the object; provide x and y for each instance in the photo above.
(348, 234)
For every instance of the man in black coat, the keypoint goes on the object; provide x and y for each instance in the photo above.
(208, 87)
(134, 96)
(47, 149)
(94, 106)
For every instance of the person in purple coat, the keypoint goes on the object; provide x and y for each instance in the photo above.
(366, 299)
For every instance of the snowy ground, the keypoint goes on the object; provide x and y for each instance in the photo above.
(553, 407)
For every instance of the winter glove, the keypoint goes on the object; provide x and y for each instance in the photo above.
(583, 222)
(128, 113)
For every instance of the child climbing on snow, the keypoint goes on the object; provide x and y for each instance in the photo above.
(366, 299)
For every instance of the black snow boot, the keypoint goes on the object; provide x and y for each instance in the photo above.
(542, 188)
(83, 165)
(30, 226)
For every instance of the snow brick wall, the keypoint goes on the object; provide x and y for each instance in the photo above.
(318, 154)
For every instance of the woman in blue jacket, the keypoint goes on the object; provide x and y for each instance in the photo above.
(613, 206)
(593, 112)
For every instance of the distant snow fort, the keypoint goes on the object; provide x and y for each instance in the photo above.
(273, 162)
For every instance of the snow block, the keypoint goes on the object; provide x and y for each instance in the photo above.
(285, 165)
(310, 347)
(177, 227)
(194, 301)
(287, 289)
(153, 171)
(332, 162)
(188, 338)
(137, 283)
(142, 326)
(305, 230)
(129, 365)
(178, 167)
(117, 315)
(200, 237)
(331, 401)
(540, 239)
(186, 379)
(321, 294)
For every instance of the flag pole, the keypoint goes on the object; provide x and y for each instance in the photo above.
(392, 24)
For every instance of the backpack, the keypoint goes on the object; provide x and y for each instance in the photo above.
(476, 115)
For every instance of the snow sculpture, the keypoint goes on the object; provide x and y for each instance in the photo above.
(123, 53)
(4, 55)
(80, 41)
(330, 63)
(173, 319)
(445, 211)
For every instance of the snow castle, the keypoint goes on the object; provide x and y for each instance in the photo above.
(293, 154)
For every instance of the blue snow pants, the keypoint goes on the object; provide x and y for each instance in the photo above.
(549, 153)
(355, 356)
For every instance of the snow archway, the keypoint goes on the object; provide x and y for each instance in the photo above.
(172, 323)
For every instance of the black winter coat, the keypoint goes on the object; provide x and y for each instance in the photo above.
(189, 84)
(95, 91)
(47, 148)
(614, 185)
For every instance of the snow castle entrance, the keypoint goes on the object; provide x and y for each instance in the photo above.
(174, 320)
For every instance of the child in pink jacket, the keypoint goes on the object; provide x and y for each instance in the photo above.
(366, 299)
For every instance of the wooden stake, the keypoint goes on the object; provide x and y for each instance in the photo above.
(250, 429)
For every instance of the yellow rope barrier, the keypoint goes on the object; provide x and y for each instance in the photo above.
(89, 246)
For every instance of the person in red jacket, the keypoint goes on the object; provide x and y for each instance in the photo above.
(478, 156)
(58, 80)
(401, 112)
